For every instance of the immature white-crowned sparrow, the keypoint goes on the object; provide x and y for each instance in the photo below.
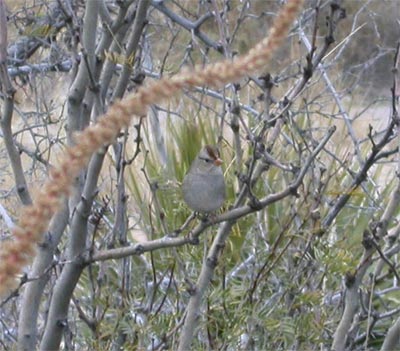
(204, 185)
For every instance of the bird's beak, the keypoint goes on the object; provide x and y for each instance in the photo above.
(218, 162)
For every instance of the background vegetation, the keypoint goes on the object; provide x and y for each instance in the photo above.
(304, 254)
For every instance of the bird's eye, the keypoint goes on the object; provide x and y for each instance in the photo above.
(205, 159)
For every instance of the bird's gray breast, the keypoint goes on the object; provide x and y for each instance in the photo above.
(204, 193)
